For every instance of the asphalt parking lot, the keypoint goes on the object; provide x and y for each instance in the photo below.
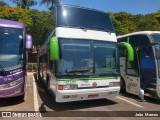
(37, 98)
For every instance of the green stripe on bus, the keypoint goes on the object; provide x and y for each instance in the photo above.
(104, 78)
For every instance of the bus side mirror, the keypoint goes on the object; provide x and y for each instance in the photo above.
(28, 42)
(54, 54)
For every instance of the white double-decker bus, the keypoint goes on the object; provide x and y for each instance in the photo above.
(78, 60)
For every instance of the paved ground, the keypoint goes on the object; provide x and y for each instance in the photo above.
(37, 98)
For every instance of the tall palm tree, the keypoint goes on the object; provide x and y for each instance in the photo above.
(25, 4)
(2, 3)
(49, 2)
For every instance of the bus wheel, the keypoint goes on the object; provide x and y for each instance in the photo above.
(48, 82)
(20, 98)
(122, 85)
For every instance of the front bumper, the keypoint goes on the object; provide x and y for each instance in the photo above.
(86, 94)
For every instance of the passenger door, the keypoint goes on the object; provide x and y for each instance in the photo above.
(132, 78)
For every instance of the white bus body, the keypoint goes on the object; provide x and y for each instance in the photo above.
(142, 76)
(78, 73)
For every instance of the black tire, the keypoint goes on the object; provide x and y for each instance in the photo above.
(122, 86)
(48, 82)
(35, 76)
(39, 77)
(20, 98)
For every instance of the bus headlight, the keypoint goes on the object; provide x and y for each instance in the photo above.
(14, 83)
(114, 84)
(68, 87)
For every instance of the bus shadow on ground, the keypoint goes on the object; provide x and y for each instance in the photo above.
(10, 101)
(135, 97)
(48, 100)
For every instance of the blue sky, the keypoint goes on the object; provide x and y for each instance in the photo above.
(129, 6)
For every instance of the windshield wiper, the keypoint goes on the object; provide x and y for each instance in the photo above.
(79, 27)
(100, 28)
(80, 71)
(2, 70)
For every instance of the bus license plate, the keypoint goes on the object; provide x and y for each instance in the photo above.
(93, 96)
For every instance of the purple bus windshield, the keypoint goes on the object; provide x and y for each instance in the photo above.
(11, 46)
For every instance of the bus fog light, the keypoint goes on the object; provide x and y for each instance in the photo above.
(2, 86)
(17, 91)
(69, 96)
(112, 92)
(73, 96)
(65, 96)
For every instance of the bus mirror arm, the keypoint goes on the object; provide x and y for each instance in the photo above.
(130, 51)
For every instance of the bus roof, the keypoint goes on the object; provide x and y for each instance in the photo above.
(138, 33)
(10, 23)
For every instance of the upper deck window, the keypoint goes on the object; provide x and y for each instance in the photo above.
(70, 16)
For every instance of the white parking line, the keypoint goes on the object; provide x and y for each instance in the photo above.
(129, 102)
(26, 88)
(35, 97)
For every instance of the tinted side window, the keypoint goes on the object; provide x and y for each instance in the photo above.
(122, 50)
(139, 40)
(124, 39)
(139, 43)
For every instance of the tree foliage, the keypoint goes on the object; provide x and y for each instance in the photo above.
(49, 3)
(2, 3)
(39, 23)
(126, 23)
(25, 4)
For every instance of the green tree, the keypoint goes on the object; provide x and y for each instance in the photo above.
(2, 3)
(127, 22)
(117, 25)
(49, 3)
(148, 23)
(15, 14)
(25, 4)
(42, 25)
(39, 23)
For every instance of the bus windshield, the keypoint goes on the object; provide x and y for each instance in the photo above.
(11, 45)
(156, 39)
(83, 18)
(86, 57)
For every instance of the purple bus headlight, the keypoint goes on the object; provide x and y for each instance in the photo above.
(28, 42)
(11, 84)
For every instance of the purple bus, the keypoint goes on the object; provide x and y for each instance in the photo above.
(14, 42)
